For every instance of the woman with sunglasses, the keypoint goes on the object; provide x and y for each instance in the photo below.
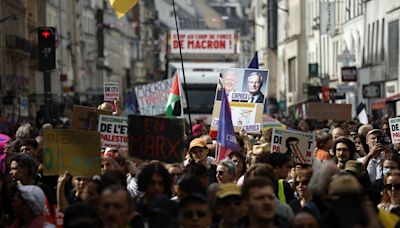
(391, 193)
(240, 162)
(301, 179)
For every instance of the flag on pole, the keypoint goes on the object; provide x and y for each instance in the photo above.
(121, 7)
(174, 99)
(254, 62)
(226, 137)
(362, 113)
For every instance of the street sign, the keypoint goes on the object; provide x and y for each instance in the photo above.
(47, 48)
(345, 88)
(349, 74)
(371, 91)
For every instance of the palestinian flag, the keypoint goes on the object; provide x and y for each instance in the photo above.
(174, 99)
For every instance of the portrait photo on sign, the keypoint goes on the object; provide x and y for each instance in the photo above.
(254, 82)
(232, 81)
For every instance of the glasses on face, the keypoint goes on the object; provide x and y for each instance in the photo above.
(198, 213)
(220, 173)
(237, 161)
(236, 203)
(303, 182)
(392, 186)
(176, 174)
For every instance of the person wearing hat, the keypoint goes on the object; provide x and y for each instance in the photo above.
(29, 206)
(229, 205)
(198, 152)
(195, 211)
(377, 152)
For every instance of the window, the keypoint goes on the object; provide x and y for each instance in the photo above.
(371, 47)
(377, 41)
(292, 74)
(393, 49)
(366, 52)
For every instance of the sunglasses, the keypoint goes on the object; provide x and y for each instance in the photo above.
(220, 173)
(304, 183)
(392, 186)
(190, 214)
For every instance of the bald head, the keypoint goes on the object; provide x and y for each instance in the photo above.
(337, 132)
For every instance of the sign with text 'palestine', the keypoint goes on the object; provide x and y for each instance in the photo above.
(113, 131)
(298, 145)
(395, 129)
(156, 138)
(111, 91)
(152, 98)
(77, 151)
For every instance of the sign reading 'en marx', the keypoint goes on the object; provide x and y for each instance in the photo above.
(156, 138)
(203, 41)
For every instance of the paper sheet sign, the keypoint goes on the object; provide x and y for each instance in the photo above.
(113, 131)
(111, 91)
(77, 151)
(298, 145)
(395, 129)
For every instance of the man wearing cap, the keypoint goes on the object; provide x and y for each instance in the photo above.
(195, 211)
(198, 152)
(28, 204)
(377, 151)
(229, 205)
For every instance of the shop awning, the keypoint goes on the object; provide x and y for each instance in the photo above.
(381, 102)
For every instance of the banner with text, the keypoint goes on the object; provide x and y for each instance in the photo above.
(298, 145)
(246, 90)
(152, 98)
(203, 41)
(113, 131)
(156, 138)
(111, 91)
(325, 111)
(395, 129)
(77, 151)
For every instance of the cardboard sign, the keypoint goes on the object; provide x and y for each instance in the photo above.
(203, 41)
(298, 145)
(246, 91)
(77, 151)
(156, 138)
(84, 117)
(113, 131)
(395, 129)
(152, 98)
(111, 91)
(325, 111)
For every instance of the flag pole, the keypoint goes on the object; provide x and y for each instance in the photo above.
(183, 70)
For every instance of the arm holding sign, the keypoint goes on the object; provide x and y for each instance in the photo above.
(61, 199)
(117, 107)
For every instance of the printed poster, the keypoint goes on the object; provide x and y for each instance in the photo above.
(246, 91)
(395, 129)
(111, 91)
(298, 145)
(113, 131)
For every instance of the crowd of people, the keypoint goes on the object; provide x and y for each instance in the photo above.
(354, 181)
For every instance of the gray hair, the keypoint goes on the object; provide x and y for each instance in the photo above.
(23, 131)
(229, 164)
(319, 182)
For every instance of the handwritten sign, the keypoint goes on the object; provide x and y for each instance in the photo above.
(152, 98)
(77, 151)
(113, 131)
(298, 145)
(156, 138)
(395, 129)
(111, 91)
(84, 117)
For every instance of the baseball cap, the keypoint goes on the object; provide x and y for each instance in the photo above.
(197, 142)
(357, 168)
(34, 197)
(374, 131)
(229, 189)
(196, 129)
(263, 148)
(344, 184)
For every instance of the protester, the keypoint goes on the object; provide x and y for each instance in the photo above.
(301, 179)
(29, 206)
(240, 164)
(259, 197)
(324, 144)
(226, 171)
(337, 132)
(391, 193)
(344, 150)
(198, 152)
(229, 205)
(195, 212)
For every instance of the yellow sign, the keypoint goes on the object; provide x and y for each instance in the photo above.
(76, 151)
(121, 7)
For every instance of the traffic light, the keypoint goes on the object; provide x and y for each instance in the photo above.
(47, 48)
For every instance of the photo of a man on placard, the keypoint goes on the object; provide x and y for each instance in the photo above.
(230, 79)
(254, 83)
